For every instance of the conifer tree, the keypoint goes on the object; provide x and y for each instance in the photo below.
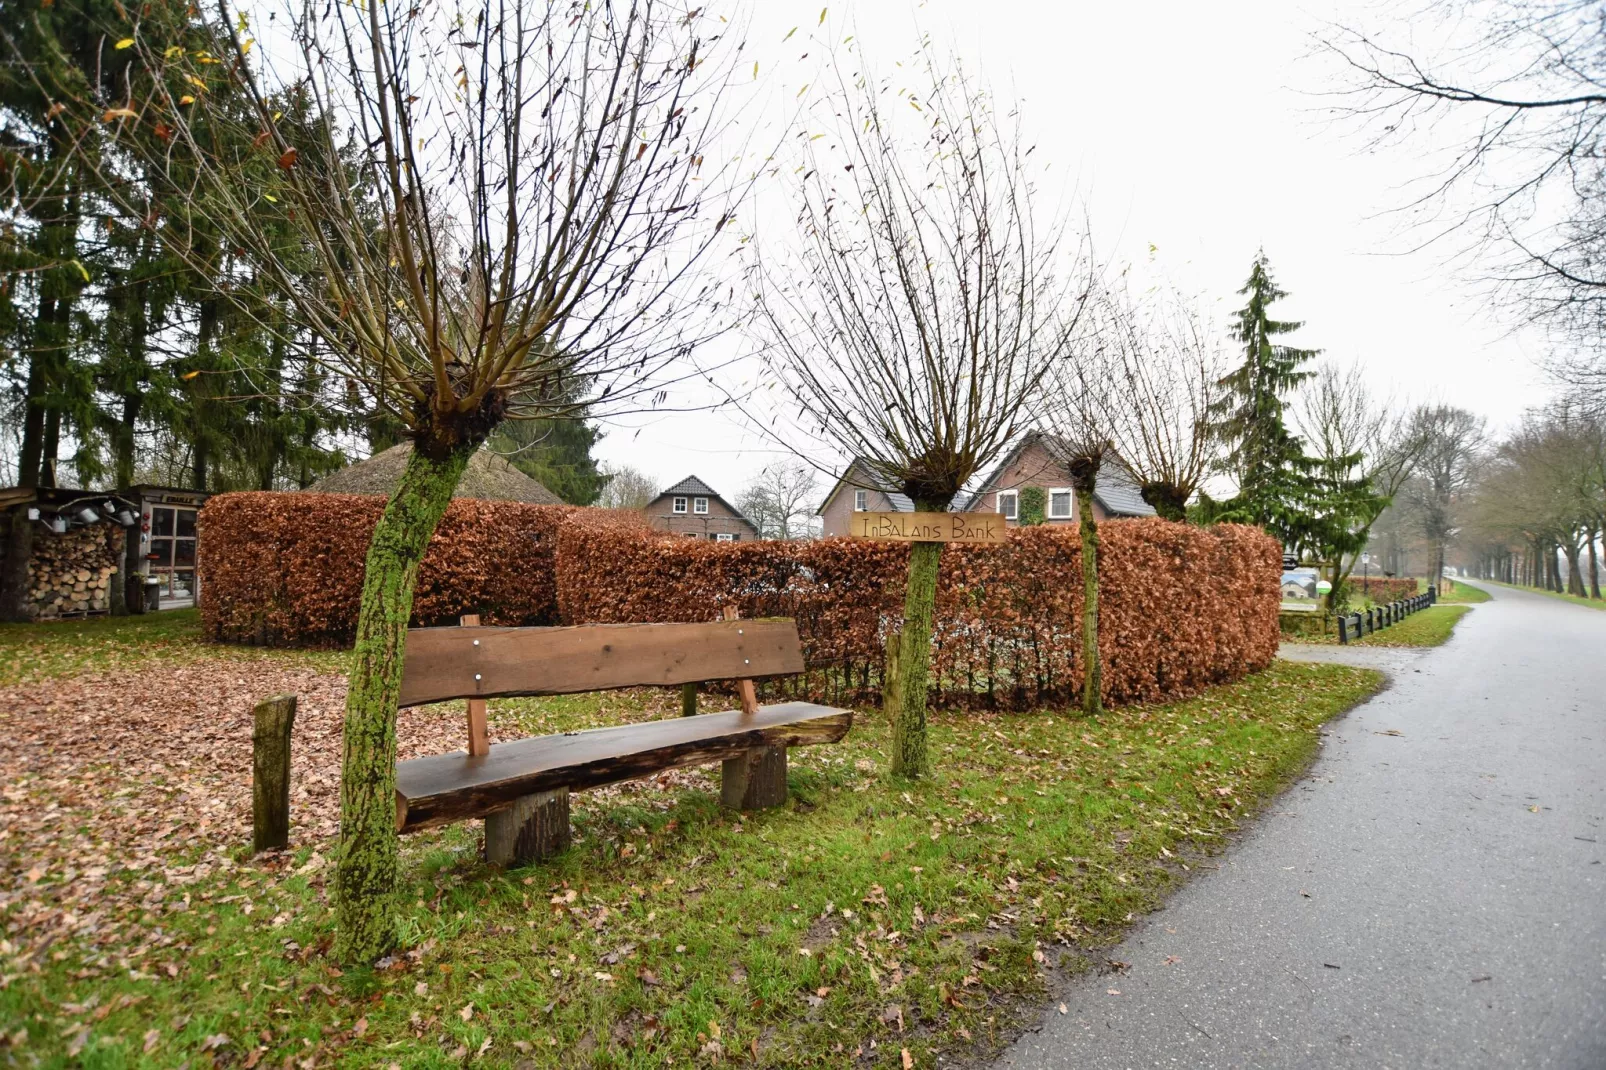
(1304, 502)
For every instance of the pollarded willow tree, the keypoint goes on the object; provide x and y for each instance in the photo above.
(503, 204)
(1165, 364)
(1075, 405)
(916, 312)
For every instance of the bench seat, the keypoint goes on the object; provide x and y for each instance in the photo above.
(443, 788)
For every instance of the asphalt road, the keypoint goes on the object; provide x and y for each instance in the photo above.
(1435, 898)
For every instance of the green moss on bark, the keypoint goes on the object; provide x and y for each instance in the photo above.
(1093, 676)
(366, 869)
(909, 758)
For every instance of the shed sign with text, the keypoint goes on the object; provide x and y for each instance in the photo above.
(928, 527)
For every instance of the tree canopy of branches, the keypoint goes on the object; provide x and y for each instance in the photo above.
(919, 309)
(1359, 440)
(1164, 366)
(1513, 93)
(1449, 443)
(780, 500)
(626, 488)
(1541, 490)
(500, 206)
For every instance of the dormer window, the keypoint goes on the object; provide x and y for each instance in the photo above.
(861, 501)
(680, 505)
(699, 506)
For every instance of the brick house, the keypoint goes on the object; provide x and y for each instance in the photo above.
(694, 509)
(1032, 463)
(858, 490)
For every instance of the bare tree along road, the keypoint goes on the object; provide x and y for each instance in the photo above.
(1432, 894)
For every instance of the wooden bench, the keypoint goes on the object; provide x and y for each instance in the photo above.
(522, 788)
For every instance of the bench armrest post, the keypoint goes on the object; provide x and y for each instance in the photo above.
(479, 744)
(744, 688)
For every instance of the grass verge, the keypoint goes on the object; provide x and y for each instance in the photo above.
(1426, 627)
(1592, 603)
(1460, 594)
(868, 922)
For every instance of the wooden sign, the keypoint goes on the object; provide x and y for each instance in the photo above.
(928, 527)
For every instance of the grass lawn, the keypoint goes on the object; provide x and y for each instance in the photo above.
(1592, 603)
(869, 922)
(1460, 594)
(1426, 627)
(34, 652)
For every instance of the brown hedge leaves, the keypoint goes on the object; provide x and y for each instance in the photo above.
(1181, 607)
(286, 569)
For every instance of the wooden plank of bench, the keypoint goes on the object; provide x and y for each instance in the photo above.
(447, 663)
(443, 788)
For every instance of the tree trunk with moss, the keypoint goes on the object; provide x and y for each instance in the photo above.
(909, 758)
(367, 866)
(1168, 500)
(1093, 669)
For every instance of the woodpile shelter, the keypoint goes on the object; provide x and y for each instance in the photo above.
(78, 547)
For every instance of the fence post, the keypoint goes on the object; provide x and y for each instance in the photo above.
(1343, 631)
(688, 699)
(271, 721)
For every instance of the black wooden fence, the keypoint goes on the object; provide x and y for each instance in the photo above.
(1369, 621)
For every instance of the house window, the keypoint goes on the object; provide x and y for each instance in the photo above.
(1059, 503)
(690, 534)
(680, 505)
(724, 536)
(699, 505)
(1009, 504)
(861, 501)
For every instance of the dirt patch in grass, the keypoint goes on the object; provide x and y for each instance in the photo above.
(138, 933)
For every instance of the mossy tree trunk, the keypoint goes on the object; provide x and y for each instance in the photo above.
(909, 757)
(1168, 500)
(1093, 669)
(367, 865)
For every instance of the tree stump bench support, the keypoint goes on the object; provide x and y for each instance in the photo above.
(521, 788)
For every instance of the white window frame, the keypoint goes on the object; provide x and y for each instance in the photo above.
(691, 534)
(861, 501)
(724, 536)
(1013, 512)
(1070, 499)
(679, 506)
(699, 506)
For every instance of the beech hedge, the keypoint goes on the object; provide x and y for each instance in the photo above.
(287, 569)
(1383, 588)
(1181, 607)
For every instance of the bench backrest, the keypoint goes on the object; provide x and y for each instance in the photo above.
(481, 662)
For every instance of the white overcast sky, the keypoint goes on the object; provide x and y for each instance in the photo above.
(1190, 127)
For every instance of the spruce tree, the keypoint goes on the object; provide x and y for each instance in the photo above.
(1303, 501)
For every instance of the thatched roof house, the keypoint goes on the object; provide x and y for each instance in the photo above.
(487, 476)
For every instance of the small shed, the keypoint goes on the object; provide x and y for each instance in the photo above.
(487, 476)
(168, 542)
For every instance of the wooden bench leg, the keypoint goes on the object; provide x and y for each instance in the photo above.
(533, 828)
(755, 781)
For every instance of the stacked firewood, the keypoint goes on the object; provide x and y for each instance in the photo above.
(71, 574)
